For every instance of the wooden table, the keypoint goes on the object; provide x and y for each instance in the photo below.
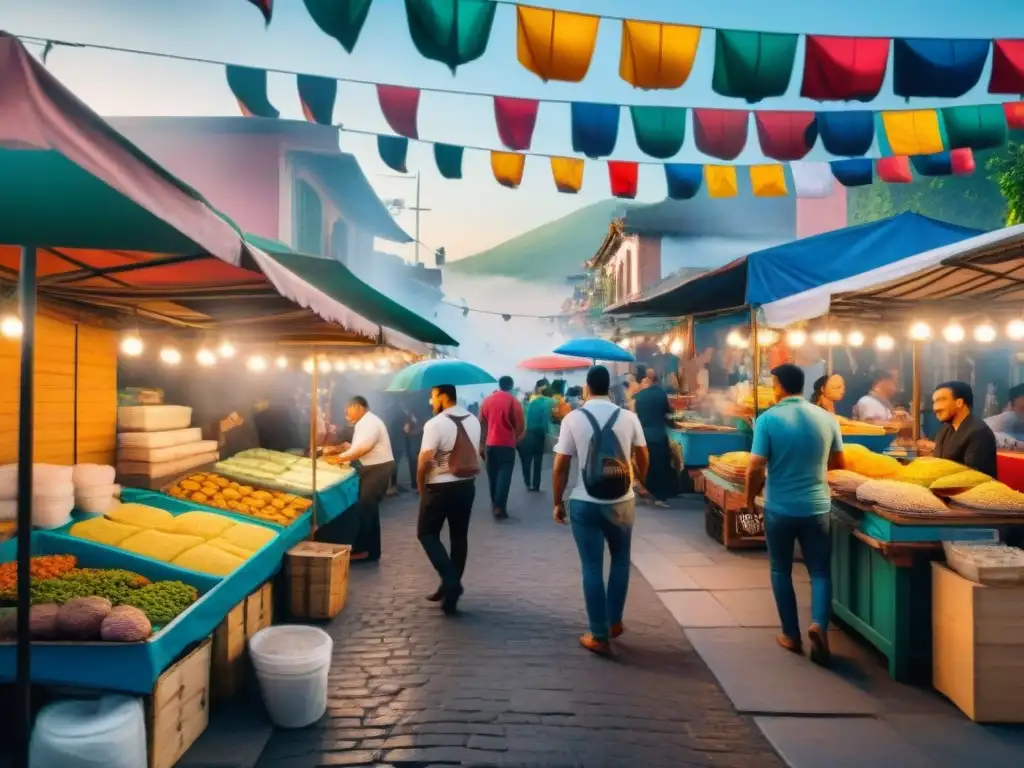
(724, 504)
(881, 577)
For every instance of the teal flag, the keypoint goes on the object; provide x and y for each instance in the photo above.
(317, 95)
(341, 19)
(980, 126)
(660, 131)
(250, 89)
(394, 150)
(453, 32)
(753, 65)
(449, 160)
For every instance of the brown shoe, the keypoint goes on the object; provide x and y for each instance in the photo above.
(791, 645)
(596, 645)
(616, 630)
(359, 556)
(821, 654)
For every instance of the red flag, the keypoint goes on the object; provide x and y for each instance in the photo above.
(623, 177)
(515, 119)
(400, 106)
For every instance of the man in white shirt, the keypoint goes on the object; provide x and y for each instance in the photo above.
(446, 481)
(371, 447)
(876, 406)
(597, 521)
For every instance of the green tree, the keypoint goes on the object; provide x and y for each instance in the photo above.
(1008, 172)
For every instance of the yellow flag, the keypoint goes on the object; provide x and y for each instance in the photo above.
(768, 180)
(720, 180)
(913, 131)
(555, 45)
(507, 168)
(568, 173)
(657, 55)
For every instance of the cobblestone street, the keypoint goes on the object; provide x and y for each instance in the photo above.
(505, 683)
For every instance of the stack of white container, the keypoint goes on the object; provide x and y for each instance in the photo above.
(95, 491)
(156, 441)
(53, 494)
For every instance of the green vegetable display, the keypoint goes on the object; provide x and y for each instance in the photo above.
(162, 601)
(114, 585)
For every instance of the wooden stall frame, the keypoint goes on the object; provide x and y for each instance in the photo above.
(230, 653)
(178, 710)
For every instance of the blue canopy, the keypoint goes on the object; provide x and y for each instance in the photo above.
(786, 270)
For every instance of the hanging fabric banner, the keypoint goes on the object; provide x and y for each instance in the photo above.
(393, 151)
(567, 173)
(1014, 112)
(847, 134)
(249, 87)
(657, 56)
(266, 8)
(980, 126)
(936, 68)
(317, 96)
(400, 106)
(515, 119)
(448, 159)
(1007, 67)
(660, 131)
(894, 169)
(939, 164)
(844, 68)
(683, 180)
(812, 179)
(913, 131)
(595, 128)
(453, 32)
(962, 161)
(768, 180)
(856, 172)
(786, 135)
(507, 168)
(555, 45)
(752, 65)
(341, 19)
(721, 180)
(623, 178)
(720, 133)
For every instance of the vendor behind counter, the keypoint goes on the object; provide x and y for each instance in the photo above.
(963, 437)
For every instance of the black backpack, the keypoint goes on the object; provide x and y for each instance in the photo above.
(607, 474)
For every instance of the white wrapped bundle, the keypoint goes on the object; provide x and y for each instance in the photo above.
(845, 481)
(899, 496)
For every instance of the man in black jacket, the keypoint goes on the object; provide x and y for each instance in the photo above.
(963, 437)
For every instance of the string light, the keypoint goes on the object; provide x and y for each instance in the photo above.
(1015, 330)
(257, 364)
(985, 334)
(226, 350)
(954, 333)
(206, 358)
(819, 338)
(132, 345)
(308, 365)
(884, 342)
(920, 331)
(340, 366)
(676, 346)
(281, 362)
(324, 365)
(834, 338)
(796, 338)
(855, 339)
(170, 356)
(11, 326)
(766, 338)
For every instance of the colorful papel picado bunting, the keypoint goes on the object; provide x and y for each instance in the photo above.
(894, 169)
(249, 87)
(768, 180)
(720, 181)
(786, 135)
(266, 7)
(568, 174)
(341, 19)
(555, 45)
(937, 68)
(595, 128)
(720, 133)
(623, 178)
(844, 68)
(660, 131)
(508, 168)
(453, 32)
(394, 152)
(683, 180)
(657, 56)
(448, 159)
(753, 65)
(400, 106)
(855, 172)
(317, 96)
(515, 119)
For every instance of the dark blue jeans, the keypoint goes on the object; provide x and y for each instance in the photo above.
(501, 463)
(531, 455)
(781, 533)
(592, 526)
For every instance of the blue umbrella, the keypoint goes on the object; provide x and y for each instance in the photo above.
(433, 373)
(596, 349)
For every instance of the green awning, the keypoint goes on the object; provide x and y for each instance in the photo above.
(341, 284)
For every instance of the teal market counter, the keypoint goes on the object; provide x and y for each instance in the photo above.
(881, 577)
(875, 443)
(699, 445)
(134, 667)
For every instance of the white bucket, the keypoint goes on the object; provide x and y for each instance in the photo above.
(292, 662)
(109, 732)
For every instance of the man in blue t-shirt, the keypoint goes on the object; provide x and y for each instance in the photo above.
(796, 443)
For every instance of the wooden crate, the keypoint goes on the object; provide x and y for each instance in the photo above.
(723, 508)
(697, 478)
(318, 579)
(978, 646)
(178, 711)
(231, 641)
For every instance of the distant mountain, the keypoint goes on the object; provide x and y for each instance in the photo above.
(550, 252)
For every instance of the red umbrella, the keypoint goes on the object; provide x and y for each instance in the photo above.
(554, 363)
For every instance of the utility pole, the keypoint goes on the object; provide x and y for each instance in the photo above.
(417, 209)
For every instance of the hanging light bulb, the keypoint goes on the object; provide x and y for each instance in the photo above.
(226, 350)
(256, 364)
(884, 342)
(625, 344)
(733, 339)
(11, 326)
(384, 365)
(796, 338)
(170, 356)
(820, 337)
(132, 345)
(324, 365)
(356, 364)
(206, 358)
(920, 331)
(766, 338)
(308, 365)
(834, 338)
(281, 362)
(954, 333)
(1015, 330)
(855, 339)
(984, 334)
(340, 365)
(676, 346)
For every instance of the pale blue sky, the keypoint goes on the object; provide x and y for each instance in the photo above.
(473, 213)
